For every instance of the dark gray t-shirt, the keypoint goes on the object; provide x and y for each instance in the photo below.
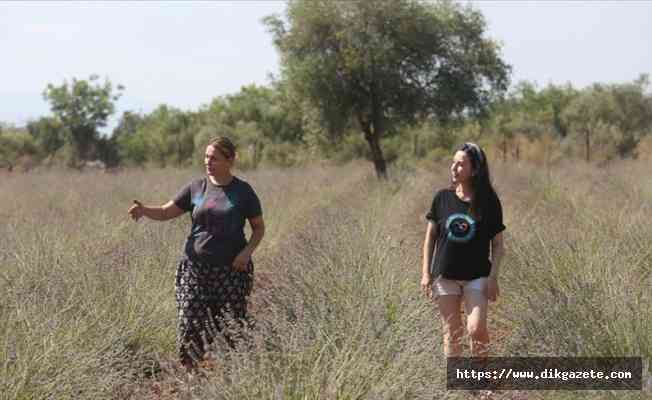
(218, 215)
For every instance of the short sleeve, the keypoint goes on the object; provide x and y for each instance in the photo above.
(183, 198)
(495, 220)
(432, 215)
(252, 205)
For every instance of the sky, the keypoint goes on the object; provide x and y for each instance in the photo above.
(184, 54)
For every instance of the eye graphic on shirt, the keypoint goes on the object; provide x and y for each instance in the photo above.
(229, 204)
(461, 228)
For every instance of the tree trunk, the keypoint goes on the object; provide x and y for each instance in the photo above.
(373, 127)
(179, 154)
(82, 141)
(377, 155)
(255, 154)
(587, 143)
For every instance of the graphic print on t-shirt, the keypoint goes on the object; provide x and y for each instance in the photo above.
(198, 200)
(461, 228)
(220, 204)
(463, 240)
(218, 218)
(215, 213)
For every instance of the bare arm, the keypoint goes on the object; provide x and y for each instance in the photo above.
(257, 232)
(165, 212)
(428, 251)
(497, 252)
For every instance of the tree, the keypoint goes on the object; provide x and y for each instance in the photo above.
(164, 136)
(633, 114)
(14, 144)
(170, 135)
(131, 146)
(558, 98)
(387, 62)
(590, 111)
(82, 106)
(527, 113)
(623, 112)
(268, 108)
(502, 122)
(48, 133)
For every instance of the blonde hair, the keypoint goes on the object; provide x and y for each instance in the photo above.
(224, 145)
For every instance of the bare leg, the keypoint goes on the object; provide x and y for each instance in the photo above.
(451, 318)
(475, 306)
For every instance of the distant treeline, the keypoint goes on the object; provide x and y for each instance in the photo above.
(385, 80)
(597, 123)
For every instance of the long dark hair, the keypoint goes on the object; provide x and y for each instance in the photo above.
(483, 190)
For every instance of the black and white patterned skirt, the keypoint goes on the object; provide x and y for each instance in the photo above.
(207, 297)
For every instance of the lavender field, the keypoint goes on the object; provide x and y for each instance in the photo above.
(88, 295)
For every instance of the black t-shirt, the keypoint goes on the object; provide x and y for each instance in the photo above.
(462, 250)
(218, 215)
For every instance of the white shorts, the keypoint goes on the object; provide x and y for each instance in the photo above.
(442, 286)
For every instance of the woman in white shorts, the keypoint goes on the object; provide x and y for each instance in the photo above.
(462, 250)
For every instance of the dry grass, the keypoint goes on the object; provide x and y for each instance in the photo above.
(88, 308)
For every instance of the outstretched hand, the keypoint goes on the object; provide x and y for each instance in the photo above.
(136, 211)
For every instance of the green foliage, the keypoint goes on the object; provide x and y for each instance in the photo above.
(170, 136)
(269, 108)
(15, 145)
(599, 123)
(593, 109)
(387, 63)
(632, 114)
(558, 98)
(163, 137)
(107, 150)
(131, 146)
(254, 118)
(418, 75)
(350, 147)
(251, 143)
(49, 134)
(528, 112)
(82, 106)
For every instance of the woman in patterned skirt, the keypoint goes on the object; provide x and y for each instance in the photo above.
(214, 276)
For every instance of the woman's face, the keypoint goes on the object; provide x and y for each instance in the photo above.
(215, 162)
(461, 169)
